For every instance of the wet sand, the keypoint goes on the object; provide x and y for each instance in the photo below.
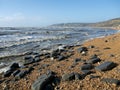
(106, 48)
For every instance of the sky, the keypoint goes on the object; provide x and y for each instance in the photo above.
(37, 13)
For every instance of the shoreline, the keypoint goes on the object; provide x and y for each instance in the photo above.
(106, 48)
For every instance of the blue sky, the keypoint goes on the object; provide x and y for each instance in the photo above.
(46, 12)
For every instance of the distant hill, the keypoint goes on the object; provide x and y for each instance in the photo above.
(115, 23)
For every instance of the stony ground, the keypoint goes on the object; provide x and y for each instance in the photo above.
(73, 68)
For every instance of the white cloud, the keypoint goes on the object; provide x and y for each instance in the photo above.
(19, 19)
(14, 17)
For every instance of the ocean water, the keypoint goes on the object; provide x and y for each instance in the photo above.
(18, 42)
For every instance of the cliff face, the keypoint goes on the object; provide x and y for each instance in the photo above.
(109, 23)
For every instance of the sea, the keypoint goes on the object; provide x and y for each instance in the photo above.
(19, 41)
(25, 40)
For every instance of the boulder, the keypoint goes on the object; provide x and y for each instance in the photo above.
(15, 72)
(82, 49)
(93, 56)
(55, 53)
(14, 66)
(11, 69)
(92, 46)
(30, 69)
(60, 58)
(105, 66)
(28, 60)
(21, 74)
(94, 60)
(78, 76)
(8, 73)
(37, 59)
(86, 72)
(42, 82)
(77, 60)
(86, 67)
(49, 87)
(111, 81)
(56, 81)
(68, 77)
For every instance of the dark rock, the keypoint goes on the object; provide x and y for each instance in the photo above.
(35, 53)
(92, 76)
(35, 64)
(42, 82)
(86, 72)
(47, 56)
(82, 49)
(8, 73)
(37, 59)
(92, 46)
(30, 69)
(68, 77)
(1, 81)
(94, 56)
(106, 40)
(28, 60)
(111, 81)
(21, 74)
(86, 67)
(61, 58)
(44, 66)
(15, 72)
(55, 53)
(107, 48)
(72, 66)
(111, 55)
(14, 66)
(105, 66)
(77, 60)
(49, 72)
(56, 80)
(49, 87)
(23, 67)
(94, 60)
(78, 76)
(29, 53)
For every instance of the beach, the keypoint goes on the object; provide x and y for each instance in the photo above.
(70, 59)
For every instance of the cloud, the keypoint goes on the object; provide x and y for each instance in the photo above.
(14, 17)
(19, 19)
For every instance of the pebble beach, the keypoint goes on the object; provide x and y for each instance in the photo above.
(95, 64)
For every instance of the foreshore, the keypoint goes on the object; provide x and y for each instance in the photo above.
(67, 62)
